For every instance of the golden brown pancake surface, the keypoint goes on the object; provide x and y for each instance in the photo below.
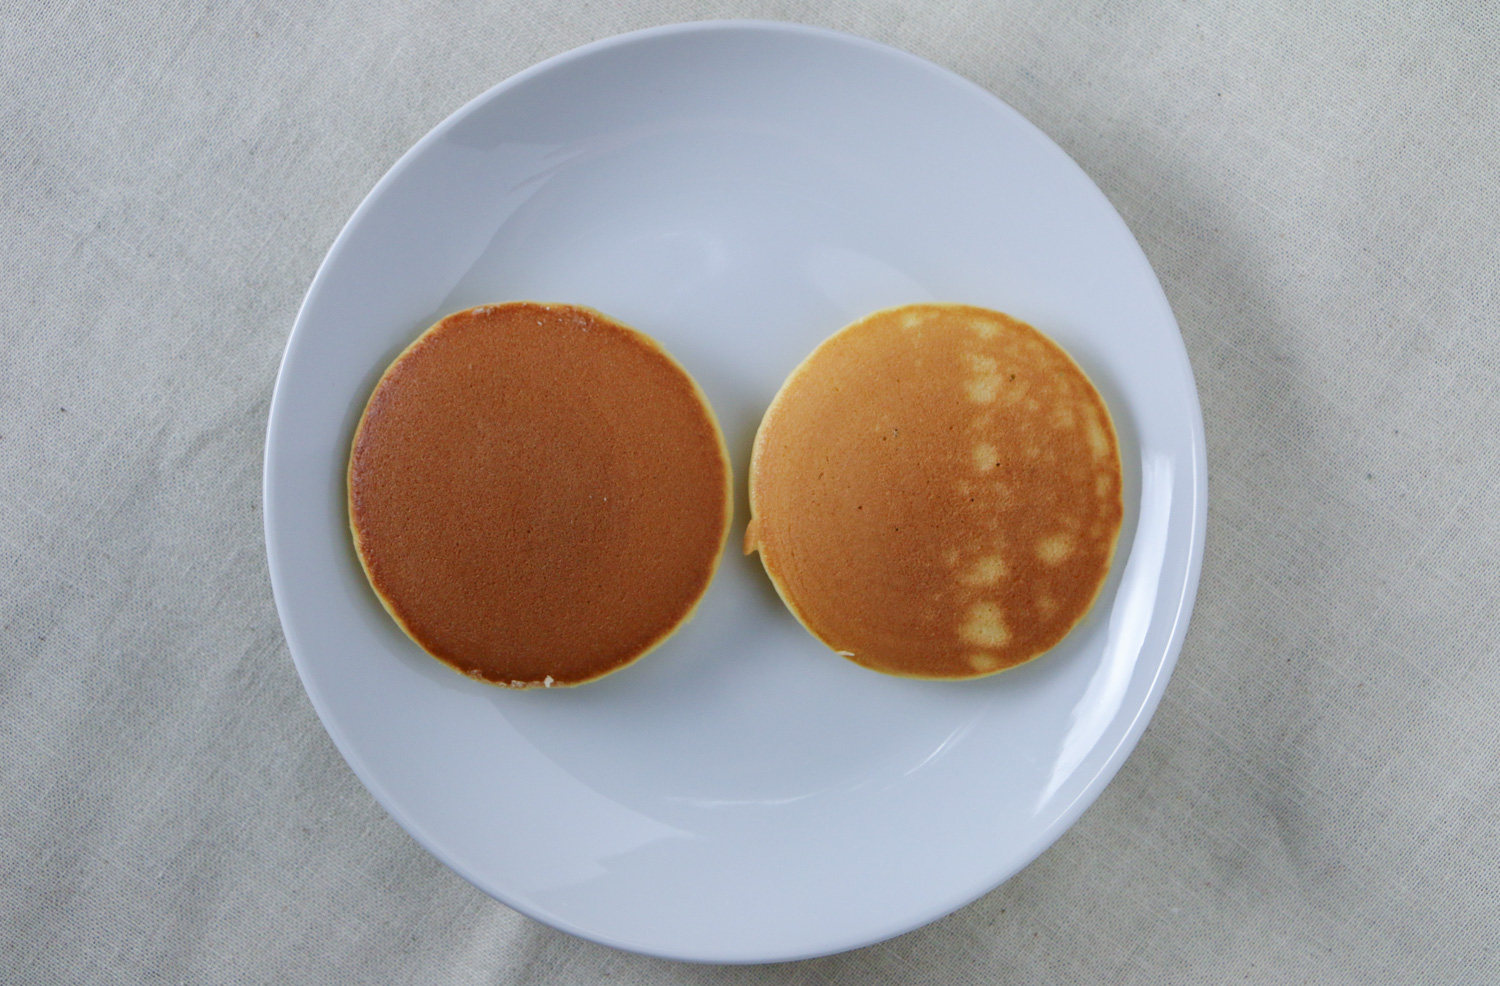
(538, 494)
(936, 492)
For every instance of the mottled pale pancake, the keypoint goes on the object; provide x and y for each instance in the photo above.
(936, 492)
(538, 494)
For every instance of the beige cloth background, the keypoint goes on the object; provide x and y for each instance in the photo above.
(1318, 187)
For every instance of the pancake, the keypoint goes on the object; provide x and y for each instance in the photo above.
(936, 492)
(538, 494)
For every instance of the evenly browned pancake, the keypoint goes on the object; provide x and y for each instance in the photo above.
(538, 494)
(936, 492)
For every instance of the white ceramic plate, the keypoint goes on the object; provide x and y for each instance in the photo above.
(739, 191)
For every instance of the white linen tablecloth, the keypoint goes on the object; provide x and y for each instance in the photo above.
(1318, 187)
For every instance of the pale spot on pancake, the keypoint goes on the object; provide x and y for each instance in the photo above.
(985, 327)
(985, 626)
(1098, 442)
(986, 457)
(985, 571)
(982, 390)
(984, 385)
(1046, 605)
(1054, 550)
(984, 662)
(913, 320)
(1103, 484)
(950, 558)
(1063, 417)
